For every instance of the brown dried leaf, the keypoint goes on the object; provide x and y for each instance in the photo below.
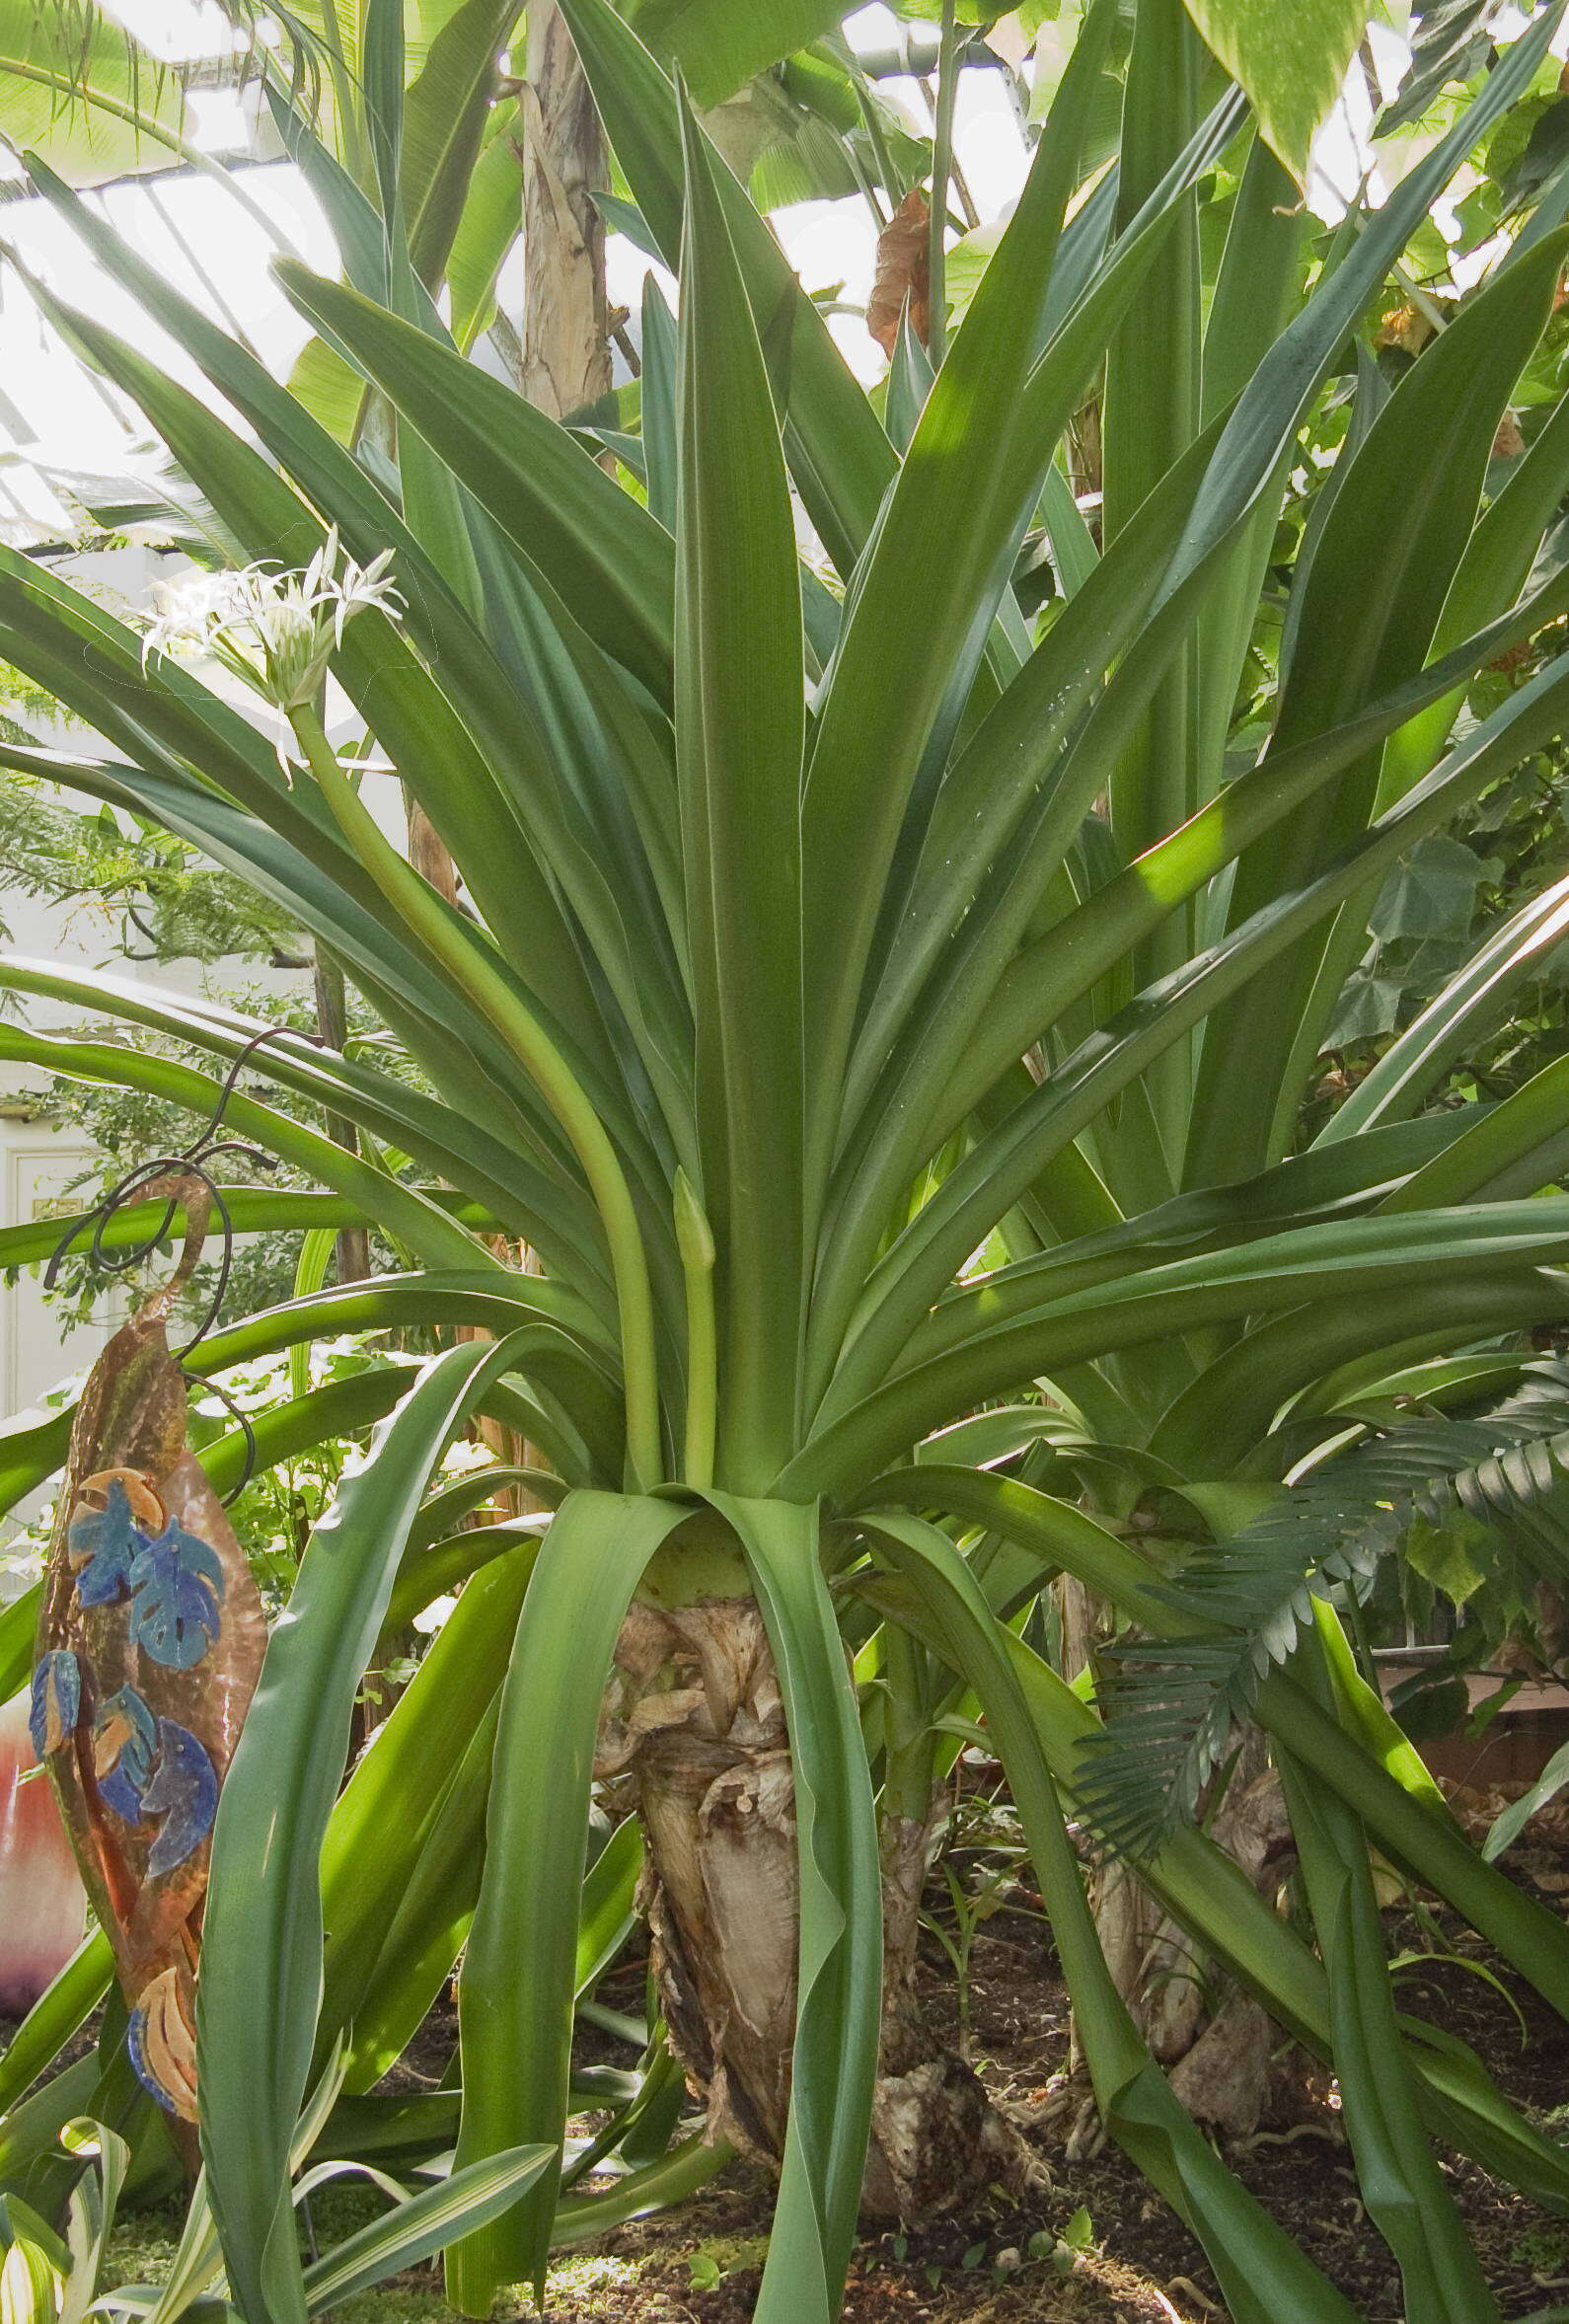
(903, 272)
(1406, 328)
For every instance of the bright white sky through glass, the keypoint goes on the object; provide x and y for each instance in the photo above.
(52, 414)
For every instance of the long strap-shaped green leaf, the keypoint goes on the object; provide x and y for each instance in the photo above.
(587, 1449)
(508, 1013)
(1150, 412)
(282, 848)
(518, 745)
(601, 545)
(1468, 1004)
(1256, 289)
(557, 1220)
(840, 456)
(592, 540)
(740, 723)
(1002, 1351)
(1265, 2277)
(1038, 985)
(1003, 796)
(414, 723)
(1403, 2188)
(1282, 1269)
(1371, 1170)
(181, 722)
(445, 103)
(990, 1002)
(1271, 406)
(253, 1210)
(1361, 1753)
(1372, 596)
(1518, 1147)
(392, 1800)
(516, 2030)
(203, 816)
(999, 1168)
(64, 2005)
(1414, 1830)
(434, 1913)
(419, 987)
(838, 1976)
(1206, 1894)
(337, 1410)
(462, 2204)
(933, 573)
(409, 1215)
(261, 1957)
(1215, 1423)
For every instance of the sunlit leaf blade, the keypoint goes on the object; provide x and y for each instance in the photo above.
(1290, 66)
(838, 1982)
(262, 1964)
(516, 2031)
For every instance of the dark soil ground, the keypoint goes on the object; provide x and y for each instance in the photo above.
(1129, 2261)
(1093, 2246)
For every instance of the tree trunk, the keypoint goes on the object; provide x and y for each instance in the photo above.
(1218, 2056)
(695, 1724)
(566, 337)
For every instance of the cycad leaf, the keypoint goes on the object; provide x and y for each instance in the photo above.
(1171, 1704)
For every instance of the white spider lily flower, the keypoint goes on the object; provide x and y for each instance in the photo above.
(273, 629)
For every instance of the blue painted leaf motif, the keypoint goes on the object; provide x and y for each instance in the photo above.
(162, 2047)
(56, 1701)
(102, 1544)
(184, 1791)
(124, 1746)
(177, 1583)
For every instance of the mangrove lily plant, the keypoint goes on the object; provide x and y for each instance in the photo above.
(869, 1009)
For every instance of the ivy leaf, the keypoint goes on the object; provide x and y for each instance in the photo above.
(1442, 1555)
(177, 1585)
(1431, 893)
(1521, 166)
(103, 1544)
(1367, 1006)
